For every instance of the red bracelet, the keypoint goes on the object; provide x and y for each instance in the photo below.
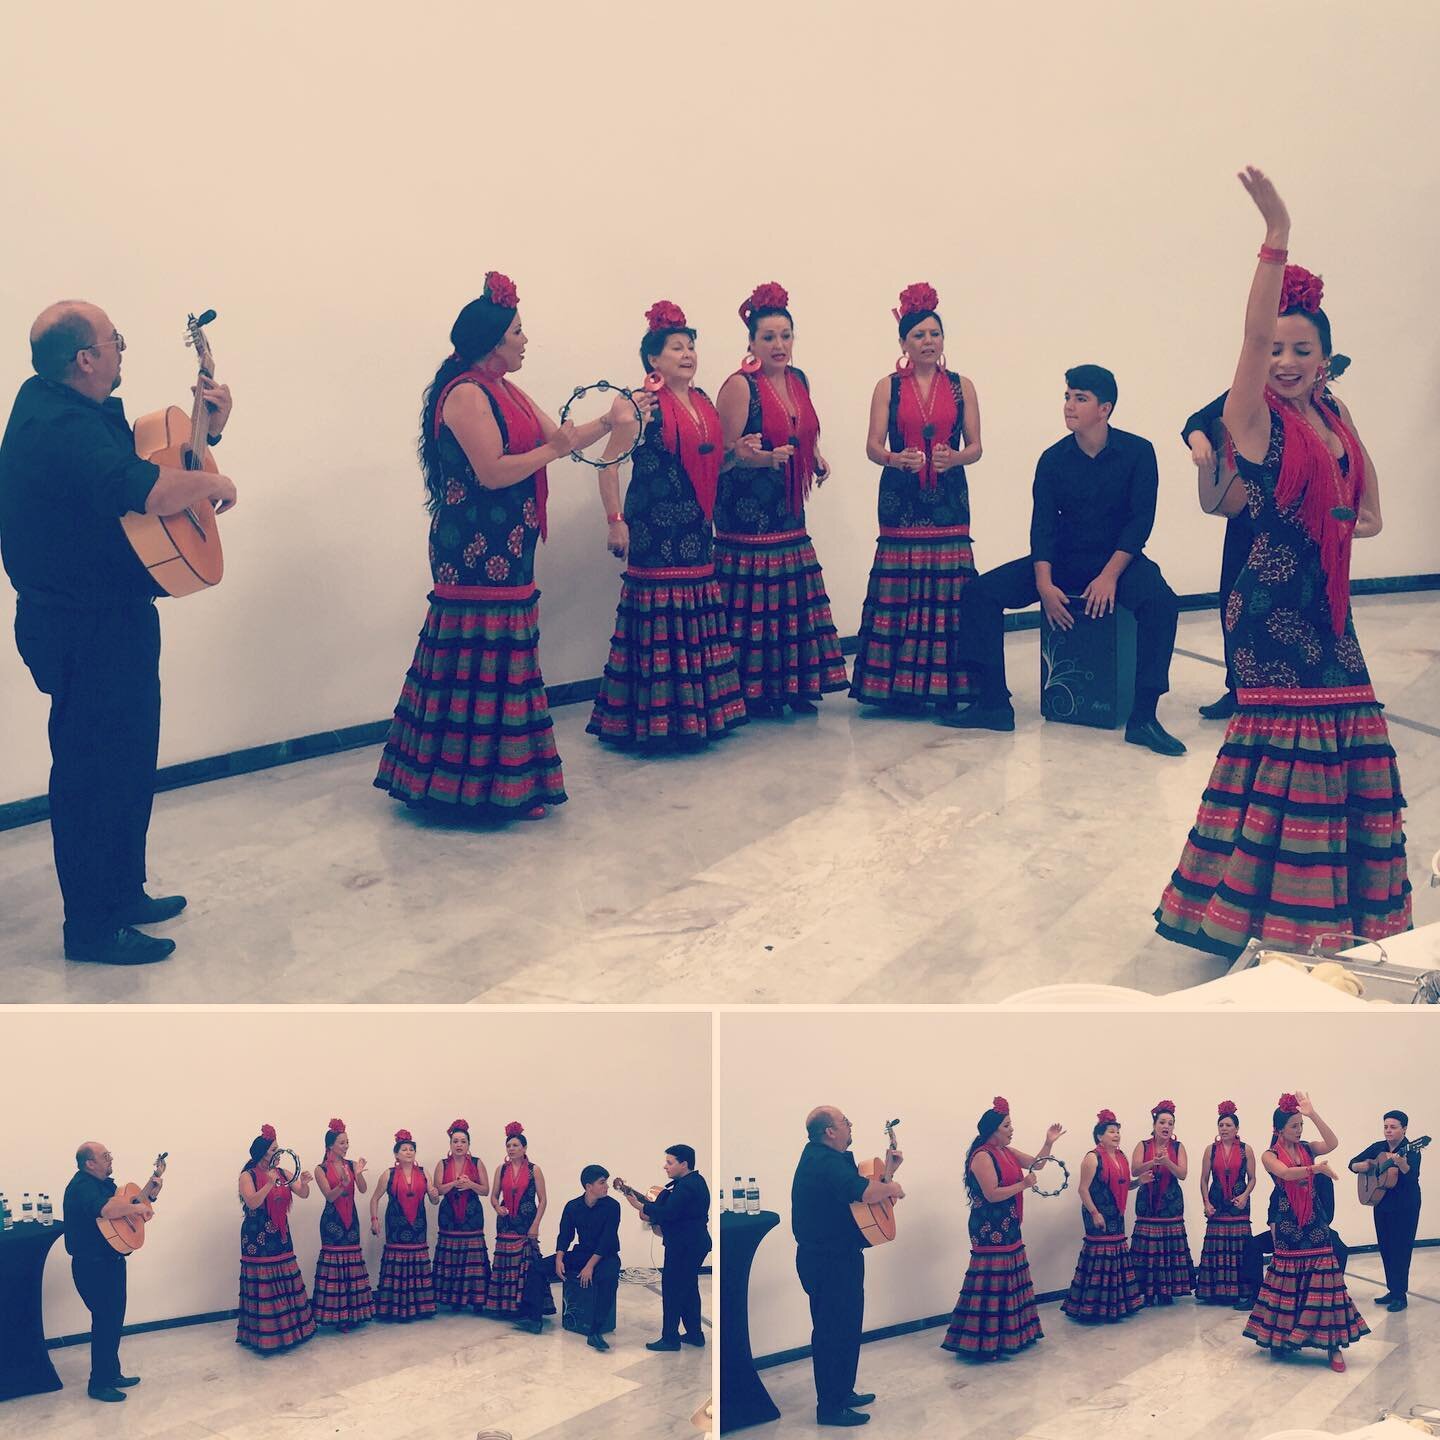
(613, 519)
(1271, 255)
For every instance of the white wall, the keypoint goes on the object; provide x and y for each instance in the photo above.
(1064, 177)
(938, 1072)
(201, 1085)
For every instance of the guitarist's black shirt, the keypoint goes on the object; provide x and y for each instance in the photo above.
(826, 1184)
(85, 1197)
(1406, 1190)
(682, 1211)
(68, 472)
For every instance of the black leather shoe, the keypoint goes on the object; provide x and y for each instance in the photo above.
(697, 1338)
(843, 1418)
(663, 1344)
(856, 1401)
(597, 1342)
(1386, 1298)
(979, 717)
(1153, 736)
(121, 947)
(1243, 1303)
(126, 1381)
(530, 1327)
(105, 1392)
(1395, 1306)
(1221, 709)
(156, 911)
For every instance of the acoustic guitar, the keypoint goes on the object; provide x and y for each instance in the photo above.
(877, 1220)
(1222, 492)
(1374, 1185)
(652, 1194)
(182, 551)
(127, 1233)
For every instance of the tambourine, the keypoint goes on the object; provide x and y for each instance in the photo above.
(275, 1165)
(580, 390)
(1064, 1179)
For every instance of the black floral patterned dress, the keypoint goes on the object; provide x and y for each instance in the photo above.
(472, 730)
(778, 613)
(923, 560)
(462, 1262)
(1217, 1278)
(1159, 1247)
(995, 1314)
(516, 1250)
(406, 1289)
(343, 1296)
(275, 1312)
(1299, 832)
(1103, 1287)
(670, 676)
(1303, 1303)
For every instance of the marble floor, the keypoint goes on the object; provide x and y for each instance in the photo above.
(1185, 1373)
(441, 1379)
(850, 857)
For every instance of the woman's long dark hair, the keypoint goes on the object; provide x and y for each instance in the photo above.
(477, 330)
(985, 1127)
(258, 1146)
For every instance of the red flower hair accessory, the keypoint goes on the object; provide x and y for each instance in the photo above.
(336, 1126)
(1227, 1107)
(770, 295)
(1163, 1107)
(1000, 1105)
(267, 1132)
(1301, 290)
(665, 315)
(513, 1129)
(1106, 1117)
(915, 298)
(458, 1125)
(404, 1137)
(1289, 1104)
(500, 290)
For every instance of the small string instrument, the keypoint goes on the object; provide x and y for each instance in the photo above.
(652, 1194)
(182, 551)
(1374, 1185)
(126, 1234)
(876, 1220)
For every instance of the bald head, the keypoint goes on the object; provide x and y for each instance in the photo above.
(60, 332)
(93, 1157)
(821, 1119)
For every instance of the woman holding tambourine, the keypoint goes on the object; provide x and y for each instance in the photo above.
(995, 1315)
(472, 735)
(1227, 1178)
(274, 1308)
(343, 1294)
(778, 613)
(406, 1290)
(1103, 1288)
(1159, 1246)
(671, 676)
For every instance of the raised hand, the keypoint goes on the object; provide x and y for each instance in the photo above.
(1302, 1103)
(360, 1167)
(1261, 189)
(1054, 1133)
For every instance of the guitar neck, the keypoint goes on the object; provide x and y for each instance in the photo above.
(200, 421)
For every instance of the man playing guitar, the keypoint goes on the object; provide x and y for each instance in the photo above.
(98, 1270)
(85, 619)
(1396, 1160)
(830, 1256)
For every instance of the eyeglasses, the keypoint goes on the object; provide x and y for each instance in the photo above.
(117, 340)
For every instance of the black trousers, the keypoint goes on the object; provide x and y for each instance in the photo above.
(101, 670)
(680, 1287)
(101, 1284)
(1257, 1247)
(835, 1283)
(1239, 538)
(1395, 1233)
(1141, 590)
(604, 1281)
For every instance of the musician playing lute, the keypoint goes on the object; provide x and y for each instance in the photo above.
(1397, 1216)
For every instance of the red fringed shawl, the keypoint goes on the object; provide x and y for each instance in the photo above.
(1115, 1169)
(1300, 1193)
(460, 1199)
(1162, 1177)
(923, 420)
(523, 431)
(277, 1204)
(1227, 1166)
(514, 1182)
(696, 440)
(342, 1191)
(410, 1193)
(1008, 1171)
(804, 434)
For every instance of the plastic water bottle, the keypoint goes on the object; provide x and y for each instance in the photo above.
(7, 1221)
(27, 1207)
(752, 1198)
(47, 1210)
(737, 1196)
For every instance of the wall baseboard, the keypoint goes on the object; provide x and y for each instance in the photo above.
(930, 1322)
(15, 813)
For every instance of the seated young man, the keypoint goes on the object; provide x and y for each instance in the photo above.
(1094, 508)
(587, 1248)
